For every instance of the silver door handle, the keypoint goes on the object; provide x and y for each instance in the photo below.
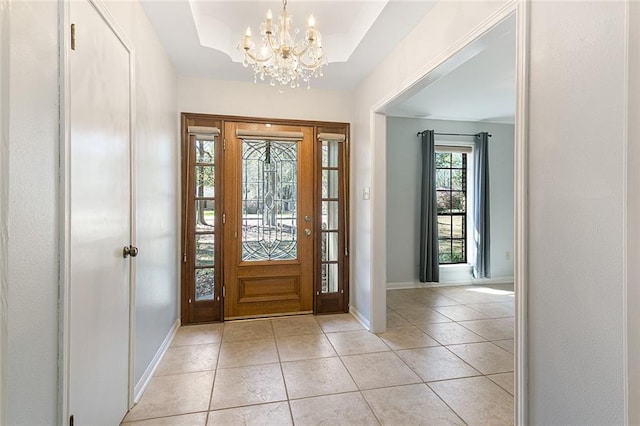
(129, 251)
(307, 232)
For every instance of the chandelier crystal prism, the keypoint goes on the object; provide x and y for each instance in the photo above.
(280, 57)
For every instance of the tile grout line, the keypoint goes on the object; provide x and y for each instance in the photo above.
(284, 380)
(215, 373)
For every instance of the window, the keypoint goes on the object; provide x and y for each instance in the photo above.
(451, 189)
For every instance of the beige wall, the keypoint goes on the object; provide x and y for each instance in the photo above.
(249, 99)
(576, 229)
(32, 264)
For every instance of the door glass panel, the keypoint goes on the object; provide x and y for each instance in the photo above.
(329, 246)
(269, 200)
(329, 277)
(204, 151)
(330, 215)
(330, 184)
(329, 154)
(205, 250)
(204, 284)
(205, 181)
(205, 215)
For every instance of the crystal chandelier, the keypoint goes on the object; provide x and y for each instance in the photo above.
(282, 58)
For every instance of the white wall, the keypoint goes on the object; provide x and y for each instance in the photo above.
(403, 193)
(249, 99)
(157, 188)
(4, 198)
(633, 213)
(32, 210)
(33, 202)
(576, 230)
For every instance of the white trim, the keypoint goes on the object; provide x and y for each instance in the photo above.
(521, 214)
(64, 208)
(142, 384)
(625, 218)
(361, 318)
(5, 22)
(64, 212)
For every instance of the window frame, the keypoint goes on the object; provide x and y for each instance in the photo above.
(468, 149)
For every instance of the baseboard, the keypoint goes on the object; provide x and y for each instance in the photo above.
(141, 386)
(472, 281)
(365, 322)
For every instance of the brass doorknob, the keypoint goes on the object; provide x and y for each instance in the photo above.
(307, 232)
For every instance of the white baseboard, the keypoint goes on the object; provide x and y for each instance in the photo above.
(141, 386)
(365, 322)
(472, 281)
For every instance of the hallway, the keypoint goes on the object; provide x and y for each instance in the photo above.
(446, 358)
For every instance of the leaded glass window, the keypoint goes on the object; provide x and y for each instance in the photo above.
(269, 200)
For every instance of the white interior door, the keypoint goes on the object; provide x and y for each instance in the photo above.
(100, 219)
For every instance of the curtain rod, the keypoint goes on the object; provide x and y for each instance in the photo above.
(452, 134)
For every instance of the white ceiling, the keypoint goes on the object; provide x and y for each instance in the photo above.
(480, 87)
(201, 38)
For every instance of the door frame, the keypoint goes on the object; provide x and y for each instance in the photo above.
(64, 200)
(319, 127)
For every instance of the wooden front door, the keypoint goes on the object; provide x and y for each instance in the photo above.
(268, 219)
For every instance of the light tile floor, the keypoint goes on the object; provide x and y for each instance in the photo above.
(446, 359)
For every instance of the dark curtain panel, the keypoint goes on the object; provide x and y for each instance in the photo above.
(429, 265)
(482, 239)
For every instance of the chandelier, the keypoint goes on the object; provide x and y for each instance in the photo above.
(282, 58)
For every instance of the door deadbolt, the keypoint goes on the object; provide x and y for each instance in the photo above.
(129, 251)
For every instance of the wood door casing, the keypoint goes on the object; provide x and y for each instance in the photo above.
(268, 287)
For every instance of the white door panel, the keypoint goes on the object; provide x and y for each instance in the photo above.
(100, 222)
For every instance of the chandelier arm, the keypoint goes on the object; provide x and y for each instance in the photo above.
(311, 67)
(303, 51)
(256, 59)
(272, 46)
